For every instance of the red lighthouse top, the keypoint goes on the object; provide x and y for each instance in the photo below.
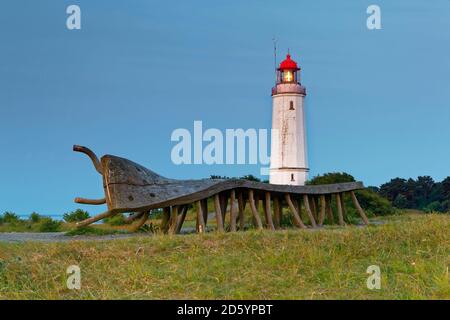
(288, 64)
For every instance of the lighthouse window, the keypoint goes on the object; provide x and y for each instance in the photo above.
(292, 177)
(291, 105)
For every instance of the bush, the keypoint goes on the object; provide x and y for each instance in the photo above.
(9, 217)
(116, 220)
(35, 217)
(371, 201)
(49, 225)
(374, 203)
(76, 216)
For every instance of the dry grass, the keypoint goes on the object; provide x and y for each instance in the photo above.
(411, 250)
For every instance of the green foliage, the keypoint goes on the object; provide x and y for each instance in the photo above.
(422, 193)
(374, 203)
(400, 202)
(333, 177)
(49, 225)
(369, 199)
(9, 217)
(35, 217)
(116, 220)
(76, 216)
(250, 177)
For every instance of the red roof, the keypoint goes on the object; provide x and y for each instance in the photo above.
(288, 64)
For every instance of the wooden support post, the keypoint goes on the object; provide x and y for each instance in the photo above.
(205, 211)
(268, 211)
(223, 205)
(344, 211)
(312, 201)
(219, 216)
(173, 220)
(358, 207)
(339, 209)
(329, 209)
(308, 210)
(323, 208)
(255, 212)
(94, 219)
(298, 221)
(277, 211)
(141, 222)
(200, 218)
(181, 218)
(232, 211)
(241, 205)
(165, 220)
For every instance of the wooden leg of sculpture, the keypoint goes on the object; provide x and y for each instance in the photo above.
(200, 220)
(181, 218)
(255, 212)
(358, 207)
(323, 208)
(339, 210)
(223, 205)
(329, 209)
(173, 219)
(308, 211)
(232, 211)
(141, 221)
(344, 211)
(94, 219)
(218, 213)
(205, 211)
(165, 220)
(312, 201)
(298, 221)
(277, 212)
(241, 205)
(268, 212)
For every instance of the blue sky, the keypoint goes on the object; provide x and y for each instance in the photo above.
(377, 104)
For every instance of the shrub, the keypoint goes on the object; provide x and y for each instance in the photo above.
(116, 220)
(49, 225)
(371, 201)
(374, 203)
(35, 217)
(10, 217)
(76, 216)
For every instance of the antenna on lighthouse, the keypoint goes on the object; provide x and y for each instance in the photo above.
(275, 56)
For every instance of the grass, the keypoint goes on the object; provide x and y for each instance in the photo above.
(412, 251)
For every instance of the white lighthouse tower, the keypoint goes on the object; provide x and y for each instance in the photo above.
(288, 155)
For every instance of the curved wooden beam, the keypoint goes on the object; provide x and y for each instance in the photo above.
(90, 201)
(141, 222)
(308, 210)
(251, 199)
(298, 221)
(358, 207)
(91, 155)
(219, 220)
(94, 219)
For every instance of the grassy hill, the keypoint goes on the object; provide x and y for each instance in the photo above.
(412, 251)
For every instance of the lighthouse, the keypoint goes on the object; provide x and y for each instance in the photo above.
(288, 154)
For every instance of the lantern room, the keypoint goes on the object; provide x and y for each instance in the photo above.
(287, 72)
